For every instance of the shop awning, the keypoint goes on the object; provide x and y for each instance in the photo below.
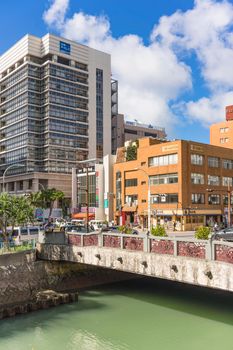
(83, 216)
(128, 209)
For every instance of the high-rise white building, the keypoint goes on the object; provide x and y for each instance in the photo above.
(55, 110)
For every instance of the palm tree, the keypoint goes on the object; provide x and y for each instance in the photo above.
(46, 198)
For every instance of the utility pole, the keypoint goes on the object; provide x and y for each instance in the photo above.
(229, 205)
(87, 198)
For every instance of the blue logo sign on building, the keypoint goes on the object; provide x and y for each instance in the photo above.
(65, 48)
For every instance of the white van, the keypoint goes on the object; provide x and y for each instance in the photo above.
(22, 233)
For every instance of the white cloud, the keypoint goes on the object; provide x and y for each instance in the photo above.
(87, 29)
(208, 110)
(149, 76)
(153, 76)
(56, 13)
(203, 30)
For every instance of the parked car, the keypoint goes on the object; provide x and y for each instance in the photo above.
(226, 234)
(77, 229)
(97, 224)
(49, 227)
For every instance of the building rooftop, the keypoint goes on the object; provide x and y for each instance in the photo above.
(142, 125)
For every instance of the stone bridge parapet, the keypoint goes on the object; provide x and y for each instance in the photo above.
(199, 262)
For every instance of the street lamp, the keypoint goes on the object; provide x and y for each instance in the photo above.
(4, 174)
(149, 206)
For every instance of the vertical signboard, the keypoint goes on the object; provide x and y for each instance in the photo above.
(97, 188)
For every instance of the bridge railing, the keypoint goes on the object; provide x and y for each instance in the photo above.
(174, 246)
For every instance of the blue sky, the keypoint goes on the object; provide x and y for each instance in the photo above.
(173, 59)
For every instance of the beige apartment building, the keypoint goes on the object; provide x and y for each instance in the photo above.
(125, 130)
(55, 110)
(188, 184)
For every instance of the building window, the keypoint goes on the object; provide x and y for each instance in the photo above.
(164, 198)
(197, 159)
(214, 199)
(227, 181)
(225, 199)
(118, 190)
(227, 164)
(143, 200)
(164, 179)
(99, 113)
(198, 198)
(163, 160)
(213, 162)
(197, 179)
(213, 180)
(224, 139)
(223, 130)
(131, 132)
(131, 182)
(131, 199)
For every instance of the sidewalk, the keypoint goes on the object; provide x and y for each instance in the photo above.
(187, 234)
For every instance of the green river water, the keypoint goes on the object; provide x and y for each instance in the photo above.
(136, 315)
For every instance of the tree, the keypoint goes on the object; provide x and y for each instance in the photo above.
(46, 198)
(131, 152)
(14, 211)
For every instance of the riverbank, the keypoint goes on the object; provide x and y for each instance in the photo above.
(22, 276)
(41, 301)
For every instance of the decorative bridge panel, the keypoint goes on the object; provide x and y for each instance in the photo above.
(161, 247)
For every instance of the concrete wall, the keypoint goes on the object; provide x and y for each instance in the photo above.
(21, 276)
(200, 272)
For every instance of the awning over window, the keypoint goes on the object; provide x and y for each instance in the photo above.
(83, 216)
(128, 209)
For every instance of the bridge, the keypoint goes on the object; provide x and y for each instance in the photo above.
(199, 262)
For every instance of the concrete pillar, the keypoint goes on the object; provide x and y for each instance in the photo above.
(54, 58)
(25, 185)
(35, 185)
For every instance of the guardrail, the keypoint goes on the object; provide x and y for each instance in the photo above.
(13, 247)
(175, 246)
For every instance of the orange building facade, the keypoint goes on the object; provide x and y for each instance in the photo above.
(188, 182)
(221, 134)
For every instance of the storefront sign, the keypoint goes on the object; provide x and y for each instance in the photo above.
(196, 148)
(159, 212)
(97, 188)
(170, 148)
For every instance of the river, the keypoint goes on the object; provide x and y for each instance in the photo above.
(135, 315)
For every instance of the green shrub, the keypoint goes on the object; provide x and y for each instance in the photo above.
(125, 229)
(202, 232)
(131, 152)
(159, 231)
(121, 228)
